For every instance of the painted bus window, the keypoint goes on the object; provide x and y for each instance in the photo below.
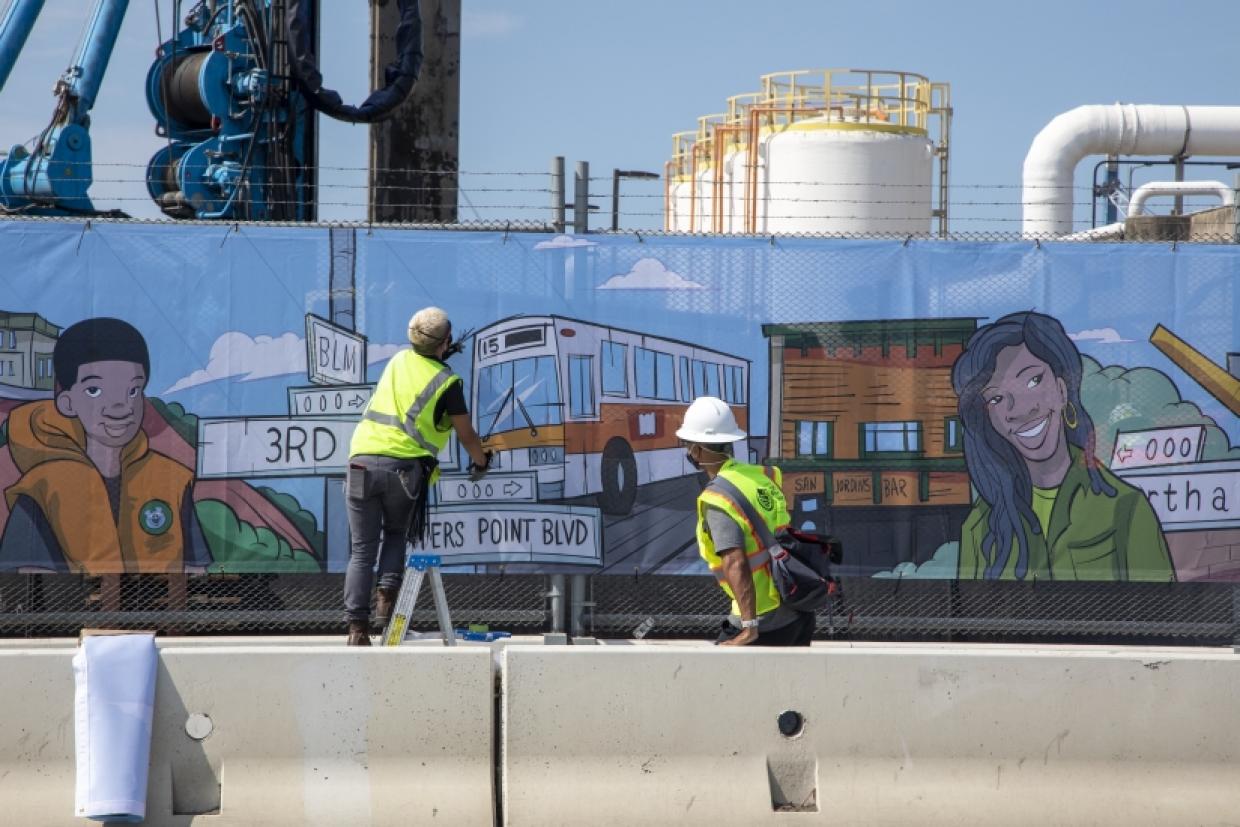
(655, 373)
(615, 377)
(581, 386)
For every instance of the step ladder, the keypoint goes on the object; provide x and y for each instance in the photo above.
(417, 566)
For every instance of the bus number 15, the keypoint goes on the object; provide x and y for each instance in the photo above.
(490, 346)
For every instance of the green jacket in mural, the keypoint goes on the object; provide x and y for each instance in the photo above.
(1091, 536)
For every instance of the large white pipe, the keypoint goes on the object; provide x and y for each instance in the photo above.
(1146, 191)
(1118, 129)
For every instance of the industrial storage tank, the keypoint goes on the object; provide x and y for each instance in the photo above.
(735, 158)
(678, 193)
(826, 151)
(704, 207)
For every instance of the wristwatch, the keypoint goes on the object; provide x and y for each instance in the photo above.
(749, 624)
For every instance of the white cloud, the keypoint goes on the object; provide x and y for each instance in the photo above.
(381, 353)
(237, 355)
(488, 23)
(650, 274)
(1100, 335)
(562, 242)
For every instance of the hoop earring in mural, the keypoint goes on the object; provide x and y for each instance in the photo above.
(1073, 422)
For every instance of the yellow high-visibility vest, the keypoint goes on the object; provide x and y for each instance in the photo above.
(762, 488)
(399, 420)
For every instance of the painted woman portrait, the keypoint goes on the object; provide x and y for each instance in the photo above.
(1046, 507)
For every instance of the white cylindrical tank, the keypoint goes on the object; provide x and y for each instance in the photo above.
(737, 173)
(704, 208)
(681, 188)
(826, 176)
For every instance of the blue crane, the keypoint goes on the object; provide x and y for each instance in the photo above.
(234, 92)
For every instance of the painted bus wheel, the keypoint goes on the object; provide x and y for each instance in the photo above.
(619, 478)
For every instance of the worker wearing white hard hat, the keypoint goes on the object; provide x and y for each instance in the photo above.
(416, 404)
(727, 541)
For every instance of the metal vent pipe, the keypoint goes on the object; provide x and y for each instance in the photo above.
(1118, 129)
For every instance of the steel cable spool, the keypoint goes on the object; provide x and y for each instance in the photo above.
(179, 85)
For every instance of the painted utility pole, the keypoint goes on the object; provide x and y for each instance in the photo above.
(415, 155)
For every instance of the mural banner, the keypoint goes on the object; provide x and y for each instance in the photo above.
(180, 398)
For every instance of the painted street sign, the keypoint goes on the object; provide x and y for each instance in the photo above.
(1193, 496)
(564, 534)
(493, 488)
(1158, 446)
(274, 446)
(334, 355)
(340, 400)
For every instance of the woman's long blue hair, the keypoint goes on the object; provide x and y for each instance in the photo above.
(996, 469)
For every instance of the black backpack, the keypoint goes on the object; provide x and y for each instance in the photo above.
(800, 561)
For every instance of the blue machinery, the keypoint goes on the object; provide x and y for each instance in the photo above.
(234, 92)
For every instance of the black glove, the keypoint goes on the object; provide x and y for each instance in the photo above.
(477, 472)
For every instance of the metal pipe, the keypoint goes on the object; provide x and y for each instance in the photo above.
(1120, 129)
(577, 606)
(15, 28)
(1179, 189)
(615, 199)
(82, 79)
(555, 601)
(1179, 176)
(581, 199)
(557, 193)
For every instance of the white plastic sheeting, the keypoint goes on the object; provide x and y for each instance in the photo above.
(113, 705)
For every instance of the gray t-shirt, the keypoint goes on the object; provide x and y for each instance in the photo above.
(726, 533)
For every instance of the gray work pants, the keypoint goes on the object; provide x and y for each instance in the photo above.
(379, 509)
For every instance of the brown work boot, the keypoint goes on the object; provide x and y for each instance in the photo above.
(359, 633)
(385, 601)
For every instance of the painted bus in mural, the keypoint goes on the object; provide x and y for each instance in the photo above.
(591, 409)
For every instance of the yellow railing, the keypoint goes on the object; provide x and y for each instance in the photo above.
(894, 98)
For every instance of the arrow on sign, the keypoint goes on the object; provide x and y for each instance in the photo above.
(511, 488)
(357, 401)
(1124, 454)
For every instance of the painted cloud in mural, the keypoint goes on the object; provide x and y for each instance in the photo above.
(650, 274)
(564, 242)
(236, 355)
(1099, 335)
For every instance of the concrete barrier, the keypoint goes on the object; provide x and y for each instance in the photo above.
(891, 735)
(272, 735)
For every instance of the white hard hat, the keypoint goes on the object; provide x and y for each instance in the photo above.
(709, 420)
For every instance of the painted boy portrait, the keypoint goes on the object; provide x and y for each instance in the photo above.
(93, 496)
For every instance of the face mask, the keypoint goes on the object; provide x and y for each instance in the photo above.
(689, 456)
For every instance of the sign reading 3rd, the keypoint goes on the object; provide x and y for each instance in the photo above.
(334, 355)
(512, 488)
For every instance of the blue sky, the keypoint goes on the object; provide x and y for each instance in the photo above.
(610, 82)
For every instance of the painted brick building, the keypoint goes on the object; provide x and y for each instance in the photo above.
(864, 425)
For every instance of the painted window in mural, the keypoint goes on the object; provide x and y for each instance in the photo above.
(655, 373)
(523, 393)
(581, 386)
(733, 384)
(615, 377)
(953, 435)
(686, 381)
(891, 437)
(813, 439)
(705, 378)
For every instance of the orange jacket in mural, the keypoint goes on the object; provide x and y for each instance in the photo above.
(63, 516)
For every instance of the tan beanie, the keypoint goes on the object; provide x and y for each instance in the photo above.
(428, 329)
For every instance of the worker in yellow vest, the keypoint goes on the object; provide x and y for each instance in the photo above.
(727, 539)
(393, 462)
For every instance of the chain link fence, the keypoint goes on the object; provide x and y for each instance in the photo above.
(631, 607)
